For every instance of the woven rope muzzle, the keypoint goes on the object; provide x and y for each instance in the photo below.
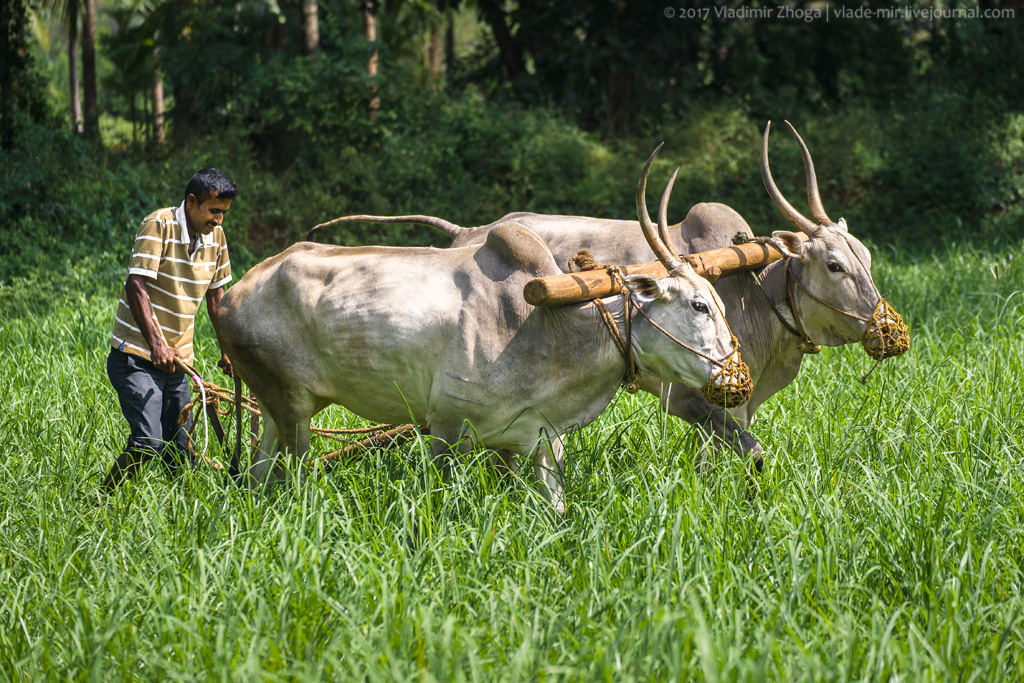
(886, 335)
(732, 385)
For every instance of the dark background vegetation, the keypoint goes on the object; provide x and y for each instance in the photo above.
(480, 108)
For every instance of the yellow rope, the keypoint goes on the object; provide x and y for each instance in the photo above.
(584, 261)
(215, 394)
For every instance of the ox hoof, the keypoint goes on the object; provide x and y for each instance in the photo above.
(704, 465)
(753, 488)
(234, 476)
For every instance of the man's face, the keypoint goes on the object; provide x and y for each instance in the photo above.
(204, 217)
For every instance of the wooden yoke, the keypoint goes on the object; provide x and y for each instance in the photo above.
(573, 288)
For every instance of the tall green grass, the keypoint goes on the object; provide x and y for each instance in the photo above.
(884, 544)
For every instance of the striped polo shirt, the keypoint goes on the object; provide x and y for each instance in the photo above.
(176, 281)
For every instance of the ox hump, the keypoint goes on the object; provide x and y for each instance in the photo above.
(710, 225)
(516, 247)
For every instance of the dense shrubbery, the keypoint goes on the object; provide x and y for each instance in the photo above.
(941, 165)
(915, 126)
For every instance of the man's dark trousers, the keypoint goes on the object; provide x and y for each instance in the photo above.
(151, 400)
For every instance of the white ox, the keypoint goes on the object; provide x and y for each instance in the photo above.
(832, 295)
(444, 338)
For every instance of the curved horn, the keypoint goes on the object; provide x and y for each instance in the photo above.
(813, 197)
(791, 214)
(666, 239)
(664, 254)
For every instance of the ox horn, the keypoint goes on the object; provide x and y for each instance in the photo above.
(795, 217)
(658, 241)
(813, 197)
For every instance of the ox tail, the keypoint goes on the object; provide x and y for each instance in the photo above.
(444, 226)
(235, 469)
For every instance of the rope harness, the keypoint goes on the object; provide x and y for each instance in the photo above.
(211, 396)
(885, 335)
(632, 379)
(731, 385)
(198, 381)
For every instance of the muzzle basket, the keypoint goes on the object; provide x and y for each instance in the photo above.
(886, 335)
(732, 385)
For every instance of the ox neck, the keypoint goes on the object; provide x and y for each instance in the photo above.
(792, 322)
(773, 281)
(595, 354)
(792, 280)
(773, 312)
(623, 339)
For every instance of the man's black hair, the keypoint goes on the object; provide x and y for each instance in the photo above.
(210, 181)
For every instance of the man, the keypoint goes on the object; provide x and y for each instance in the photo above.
(180, 256)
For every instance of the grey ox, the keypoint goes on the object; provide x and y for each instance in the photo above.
(443, 337)
(821, 294)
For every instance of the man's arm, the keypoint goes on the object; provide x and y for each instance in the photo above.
(213, 297)
(137, 295)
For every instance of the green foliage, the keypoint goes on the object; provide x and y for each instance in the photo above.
(21, 87)
(64, 200)
(237, 67)
(948, 166)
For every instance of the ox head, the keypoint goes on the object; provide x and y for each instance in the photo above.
(682, 334)
(833, 296)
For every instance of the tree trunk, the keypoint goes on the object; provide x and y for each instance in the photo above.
(434, 57)
(92, 118)
(159, 136)
(449, 45)
(310, 12)
(370, 29)
(511, 54)
(1015, 6)
(620, 101)
(76, 94)
(620, 97)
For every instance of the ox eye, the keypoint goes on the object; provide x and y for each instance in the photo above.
(700, 307)
(834, 267)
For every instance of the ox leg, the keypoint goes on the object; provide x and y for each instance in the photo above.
(506, 462)
(293, 444)
(549, 466)
(714, 422)
(298, 450)
(264, 455)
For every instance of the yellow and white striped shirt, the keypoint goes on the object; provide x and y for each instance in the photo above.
(176, 281)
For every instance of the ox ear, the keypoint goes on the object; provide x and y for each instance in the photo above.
(842, 225)
(789, 244)
(645, 288)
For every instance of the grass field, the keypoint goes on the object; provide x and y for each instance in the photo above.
(886, 542)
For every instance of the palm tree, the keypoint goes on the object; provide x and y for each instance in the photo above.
(92, 114)
(369, 9)
(132, 46)
(311, 23)
(68, 13)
